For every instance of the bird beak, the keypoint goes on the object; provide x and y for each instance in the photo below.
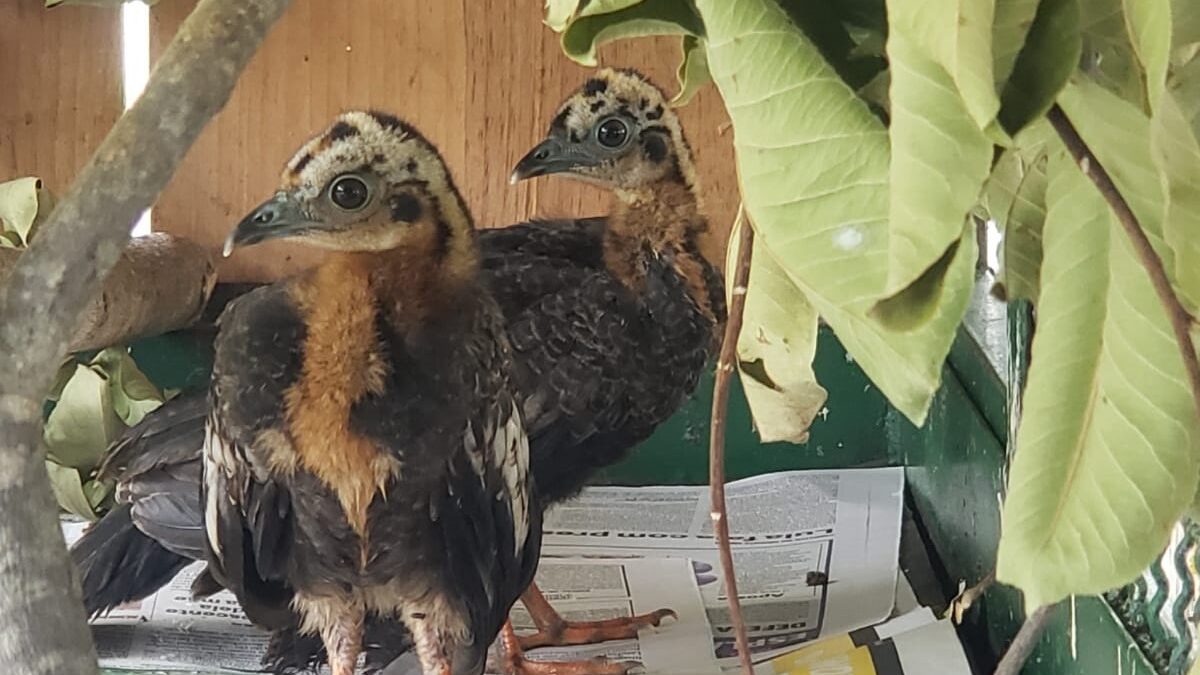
(279, 216)
(552, 155)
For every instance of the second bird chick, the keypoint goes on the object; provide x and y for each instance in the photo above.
(365, 454)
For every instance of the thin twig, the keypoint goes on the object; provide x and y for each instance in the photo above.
(42, 625)
(1181, 319)
(716, 448)
(962, 604)
(1026, 639)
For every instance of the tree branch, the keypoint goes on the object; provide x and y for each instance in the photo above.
(716, 448)
(42, 627)
(1181, 319)
(1026, 639)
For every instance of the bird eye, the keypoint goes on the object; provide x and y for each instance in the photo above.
(349, 193)
(612, 133)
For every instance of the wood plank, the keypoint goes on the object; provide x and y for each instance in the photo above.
(60, 71)
(480, 79)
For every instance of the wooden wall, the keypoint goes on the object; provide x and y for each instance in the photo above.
(480, 78)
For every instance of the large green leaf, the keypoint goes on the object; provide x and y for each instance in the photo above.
(1106, 457)
(1052, 52)
(1011, 24)
(823, 23)
(776, 349)
(693, 70)
(956, 35)
(83, 421)
(559, 13)
(590, 29)
(132, 394)
(19, 201)
(1176, 154)
(1149, 25)
(940, 158)
(813, 164)
(74, 495)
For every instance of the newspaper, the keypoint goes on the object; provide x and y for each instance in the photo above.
(170, 631)
(916, 643)
(816, 551)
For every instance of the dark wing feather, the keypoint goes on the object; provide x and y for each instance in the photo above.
(247, 513)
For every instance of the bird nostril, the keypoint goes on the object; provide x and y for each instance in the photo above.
(541, 154)
(264, 217)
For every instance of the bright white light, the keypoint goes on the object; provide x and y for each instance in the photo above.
(135, 52)
(992, 240)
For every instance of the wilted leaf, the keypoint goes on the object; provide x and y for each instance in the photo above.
(19, 206)
(693, 70)
(917, 302)
(1052, 51)
(940, 158)
(1106, 456)
(1011, 24)
(69, 491)
(647, 17)
(132, 393)
(813, 161)
(83, 421)
(776, 349)
(559, 13)
(957, 36)
(1149, 23)
(1176, 154)
(1108, 55)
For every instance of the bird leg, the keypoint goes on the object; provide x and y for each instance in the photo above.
(515, 663)
(343, 642)
(553, 630)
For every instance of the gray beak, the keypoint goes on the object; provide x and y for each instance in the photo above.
(279, 216)
(552, 155)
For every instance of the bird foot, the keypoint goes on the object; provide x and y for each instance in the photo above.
(598, 666)
(567, 633)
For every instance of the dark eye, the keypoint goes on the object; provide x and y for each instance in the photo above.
(349, 193)
(612, 133)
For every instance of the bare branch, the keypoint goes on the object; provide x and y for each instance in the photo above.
(716, 448)
(1026, 639)
(42, 627)
(1181, 319)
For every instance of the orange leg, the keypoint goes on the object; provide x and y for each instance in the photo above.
(553, 630)
(515, 662)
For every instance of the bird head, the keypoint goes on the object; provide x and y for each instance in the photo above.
(617, 131)
(370, 182)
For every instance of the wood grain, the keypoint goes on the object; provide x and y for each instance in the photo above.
(481, 79)
(60, 74)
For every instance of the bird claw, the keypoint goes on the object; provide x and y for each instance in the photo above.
(572, 633)
(596, 666)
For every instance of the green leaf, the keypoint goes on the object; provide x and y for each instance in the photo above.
(822, 23)
(1012, 22)
(918, 302)
(693, 70)
(96, 3)
(813, 162)
(598, 7)
(19, 206)
(1108, 55)
(1106, 457)
(647, 17)
(1052, 52)
(1176, 154)
(64, 374)
(1149, 24)
(69, 491)
(776, 349)
(1185, 31)
(133, 395)
(83, 422)
(957, 36)
(1015, 197)
(559, 13)
(939, 160)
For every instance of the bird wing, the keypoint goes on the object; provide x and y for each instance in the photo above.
(247, 505)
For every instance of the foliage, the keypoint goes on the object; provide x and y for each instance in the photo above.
(97, 3)
(869, 136)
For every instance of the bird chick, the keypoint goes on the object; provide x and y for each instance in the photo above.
(364, 453)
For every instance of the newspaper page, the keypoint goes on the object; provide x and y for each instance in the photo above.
(169, 631)
(816, 551)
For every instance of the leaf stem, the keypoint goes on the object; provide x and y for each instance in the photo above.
(716, 447)
(1026, 639)
(1181, 319)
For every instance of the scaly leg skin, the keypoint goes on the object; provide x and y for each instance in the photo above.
(555, 631)
(343, 643)
(515, 663)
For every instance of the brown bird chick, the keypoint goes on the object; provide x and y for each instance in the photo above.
(612, 321)
(365, 454)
